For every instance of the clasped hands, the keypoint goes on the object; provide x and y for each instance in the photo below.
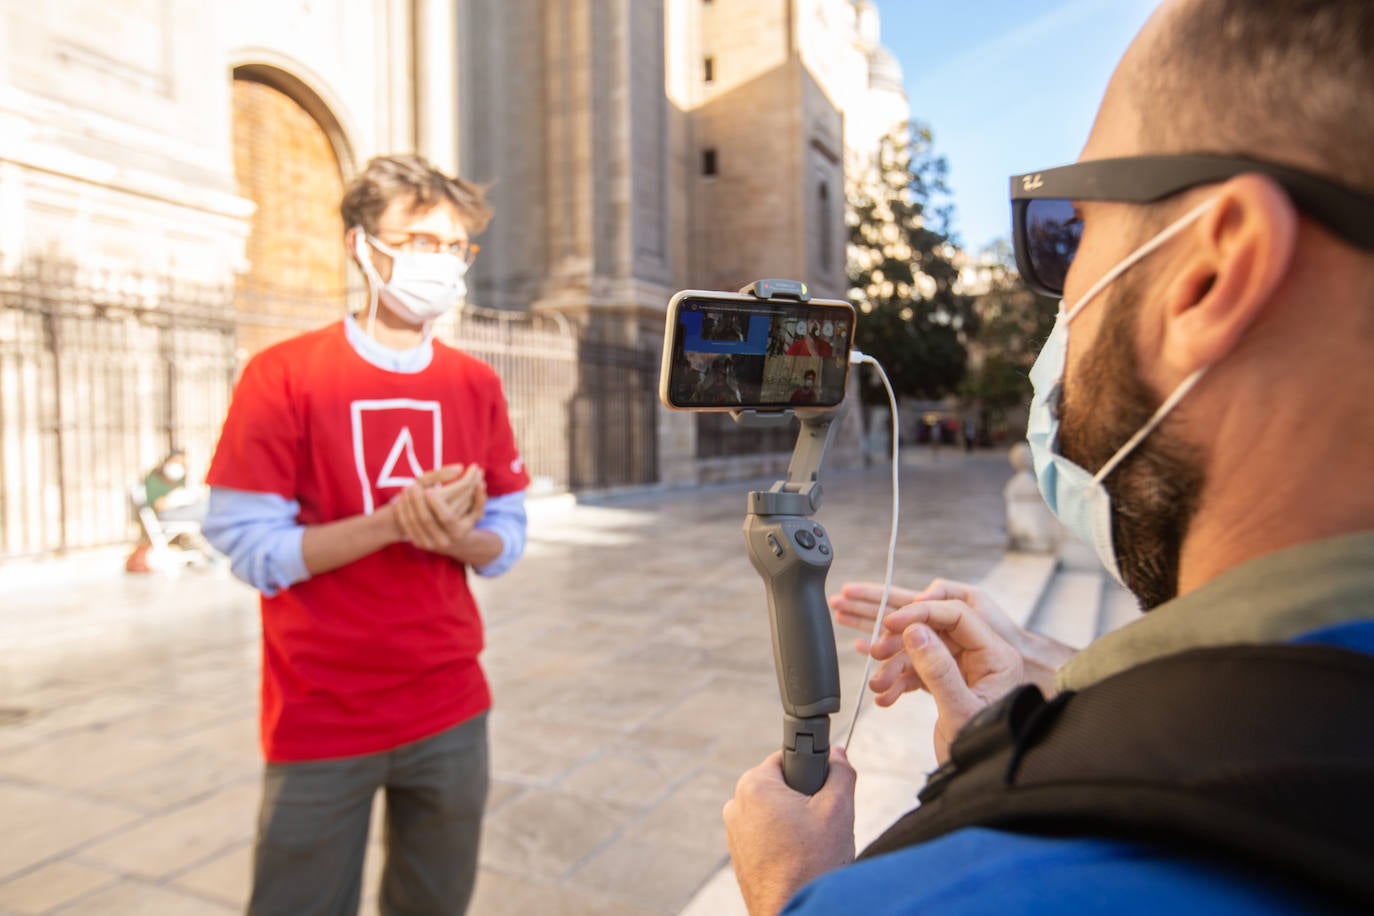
(440, 510)
(950, 640)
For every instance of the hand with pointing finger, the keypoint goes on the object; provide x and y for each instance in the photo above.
(856, 606)
(952, 641)
(951, 654)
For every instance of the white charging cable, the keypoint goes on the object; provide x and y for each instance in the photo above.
(857, 358)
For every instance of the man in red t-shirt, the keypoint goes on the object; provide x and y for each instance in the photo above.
(806, 394)
(363, 468)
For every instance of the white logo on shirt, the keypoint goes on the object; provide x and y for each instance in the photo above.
(517, 465)
(405, 422)
(405, 445)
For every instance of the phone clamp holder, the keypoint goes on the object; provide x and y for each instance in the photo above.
(792, 554)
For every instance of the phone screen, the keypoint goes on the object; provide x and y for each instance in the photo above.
(732, 353)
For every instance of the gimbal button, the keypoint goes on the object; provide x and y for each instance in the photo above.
(805, 539)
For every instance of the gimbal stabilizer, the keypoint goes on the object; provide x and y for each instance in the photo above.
(792, 554)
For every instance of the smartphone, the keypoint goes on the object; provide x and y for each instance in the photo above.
(731, 351)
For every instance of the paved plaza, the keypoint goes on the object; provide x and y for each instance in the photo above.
(629, 655)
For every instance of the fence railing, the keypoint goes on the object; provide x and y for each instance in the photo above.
(99, 375)
(536, 356)
(613, 438)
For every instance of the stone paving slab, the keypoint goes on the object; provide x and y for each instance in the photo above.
(630, 660)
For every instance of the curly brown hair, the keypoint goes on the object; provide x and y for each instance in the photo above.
(407, 175)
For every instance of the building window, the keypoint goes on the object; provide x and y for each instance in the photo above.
(825, 226)
(708, 69)
(708, 161)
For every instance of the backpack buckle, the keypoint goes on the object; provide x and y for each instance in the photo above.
(1010, 724)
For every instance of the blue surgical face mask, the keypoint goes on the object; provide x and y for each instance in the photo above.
(1077, 498)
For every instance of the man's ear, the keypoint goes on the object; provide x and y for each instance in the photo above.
(351, 238)
(1240, 251)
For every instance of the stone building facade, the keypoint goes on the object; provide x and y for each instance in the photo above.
(169, 182)
(170, 173)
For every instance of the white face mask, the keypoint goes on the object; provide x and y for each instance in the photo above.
(173, 472)
(423, 286)
(1078, 499)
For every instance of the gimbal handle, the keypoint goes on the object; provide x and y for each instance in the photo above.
(792, 554)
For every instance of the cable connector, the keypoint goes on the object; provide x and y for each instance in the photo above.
(858, 357)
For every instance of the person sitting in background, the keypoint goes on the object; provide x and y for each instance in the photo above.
(166, 491)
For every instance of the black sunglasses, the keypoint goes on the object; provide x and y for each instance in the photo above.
(1046, 230)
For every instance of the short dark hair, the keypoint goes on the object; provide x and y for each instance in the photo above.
(1285, 80)
(388, 178)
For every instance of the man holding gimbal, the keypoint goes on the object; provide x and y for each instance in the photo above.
(1214, 250)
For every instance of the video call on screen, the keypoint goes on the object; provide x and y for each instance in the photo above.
(731, 356)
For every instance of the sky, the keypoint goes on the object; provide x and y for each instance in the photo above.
(1007, 86)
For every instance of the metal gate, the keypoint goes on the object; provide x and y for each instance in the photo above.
(99, 376)
(613, 439)
(536, 357)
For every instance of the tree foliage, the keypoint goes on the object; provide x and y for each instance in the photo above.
(903, 270)
(1013, 323)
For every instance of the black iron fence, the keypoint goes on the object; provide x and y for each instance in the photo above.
(536, 356)
(99, 375)
(613, 417)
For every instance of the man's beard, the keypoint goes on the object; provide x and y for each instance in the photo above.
(1155, 489)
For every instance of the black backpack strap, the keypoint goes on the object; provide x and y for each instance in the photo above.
(1264, 754)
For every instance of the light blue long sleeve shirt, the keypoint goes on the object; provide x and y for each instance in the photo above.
(260, 534)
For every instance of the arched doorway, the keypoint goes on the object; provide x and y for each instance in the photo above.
(285, 162)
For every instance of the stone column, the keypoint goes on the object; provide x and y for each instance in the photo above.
(436, 82)
(395, 67)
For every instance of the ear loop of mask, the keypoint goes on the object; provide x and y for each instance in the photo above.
(1139, 254)
(374, 280)
(1187, 385)
(374, 283)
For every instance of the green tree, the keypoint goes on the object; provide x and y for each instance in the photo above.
(903, 268)
(1011, 327)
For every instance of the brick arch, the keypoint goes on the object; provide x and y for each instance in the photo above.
(287, 161)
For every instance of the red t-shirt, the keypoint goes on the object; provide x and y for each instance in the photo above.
(816, 347)
(382, 651)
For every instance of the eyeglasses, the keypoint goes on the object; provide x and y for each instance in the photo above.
(424, 243)
(1046, 227)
